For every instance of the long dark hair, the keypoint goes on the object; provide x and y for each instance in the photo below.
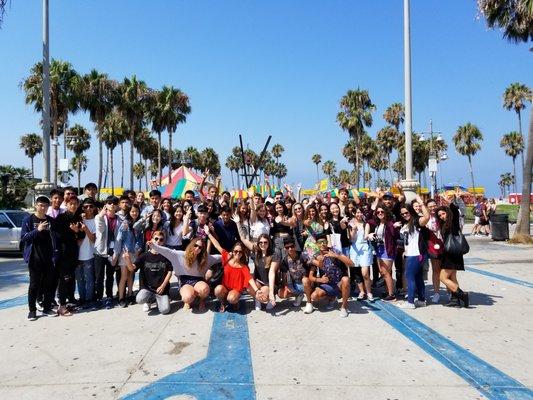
(270, 250)
(159, 226)
(173, 219)
(445, 226)
(412, 223)
(386, 214)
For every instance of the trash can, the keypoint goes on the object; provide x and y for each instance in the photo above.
(499, 226)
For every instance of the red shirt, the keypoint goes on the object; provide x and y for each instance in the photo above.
(235, 278)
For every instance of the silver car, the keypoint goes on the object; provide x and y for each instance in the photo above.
(10, 227)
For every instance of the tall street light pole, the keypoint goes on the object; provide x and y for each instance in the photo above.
(45, 186)
(409, 185)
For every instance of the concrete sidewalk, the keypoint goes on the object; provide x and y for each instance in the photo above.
(378, 352)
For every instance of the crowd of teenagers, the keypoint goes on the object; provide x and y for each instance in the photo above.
(218, 246)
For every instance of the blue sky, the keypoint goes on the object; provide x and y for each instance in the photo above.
(280, 68)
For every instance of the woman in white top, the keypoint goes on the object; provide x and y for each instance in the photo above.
(259, 222)
(175, 229)
(191, 266)
(415, 237)
(85, 268)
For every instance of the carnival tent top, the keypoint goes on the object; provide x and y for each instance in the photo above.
(181, 180)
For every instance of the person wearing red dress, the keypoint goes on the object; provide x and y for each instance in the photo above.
(236, 276)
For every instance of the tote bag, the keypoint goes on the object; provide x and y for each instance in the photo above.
(456, 245)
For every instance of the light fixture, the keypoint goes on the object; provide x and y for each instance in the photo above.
(439, 138)
(444, 156)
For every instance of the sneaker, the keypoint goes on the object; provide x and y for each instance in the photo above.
(331, 303)
(420, 303)
(298, 300)
(39, 306)
(131, 300)
(269, 306)
(406, 305)
(122, 303)
(257, 305)
(370, 297)
(32, 316)
(362, 296)
(435, 298)
(109, 303)
(308, 308)
(146, 307)
(49, 313)
(389, 297)
(343, 313)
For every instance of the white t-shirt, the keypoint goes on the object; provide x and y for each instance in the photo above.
(87, 247)
(411, 249)
(258, 228)
(175, 237)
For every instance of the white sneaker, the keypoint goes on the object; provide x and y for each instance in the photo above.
(370, 297)
(435, 298)
(343, 312)
(331, 304)
(361, 296)
(308, 308)
(269, 306)
(406, 305)
(146, 307)
(420, 303)
(298, 300)
(257, 305)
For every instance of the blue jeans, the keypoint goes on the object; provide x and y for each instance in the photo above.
(85, 279)
(414, 273)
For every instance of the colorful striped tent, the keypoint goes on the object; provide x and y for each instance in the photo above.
(181, 180)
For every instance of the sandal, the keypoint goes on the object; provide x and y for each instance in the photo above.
(222, 307)
(64, 312)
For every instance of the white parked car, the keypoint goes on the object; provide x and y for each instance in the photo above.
(10, 227)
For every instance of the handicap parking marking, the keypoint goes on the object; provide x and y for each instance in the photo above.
(500, 277)
(225, 373)
(487, 379)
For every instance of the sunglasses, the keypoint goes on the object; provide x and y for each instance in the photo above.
(380, 212)
(322, 242)
(158, 239)
(289, 246)
(237, 251)
(405, 213)
(88, 206)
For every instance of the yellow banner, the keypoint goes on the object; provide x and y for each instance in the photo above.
(308, 192)
(323, 185)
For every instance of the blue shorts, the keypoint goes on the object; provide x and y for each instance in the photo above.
(296, 288)
(330, 290)
(190, 280)
(381, 252)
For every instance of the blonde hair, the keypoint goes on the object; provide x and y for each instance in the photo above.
(190, 257)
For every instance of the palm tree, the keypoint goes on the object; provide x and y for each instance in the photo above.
(210, 161)
(513, 144)
(344, 177)
(231, 164)
(349, 151)
(317, 159)
(79, 163)
(515, 20)
(64, 95)
(135, 99)
(97, 96)
(515, 97)
(80, 141)
(506, 180)
(394, 115)
(277, 151)
(139, 171)
(355, 114)
(112, 129)
(387, 139)
(32, 145)
(467, 140)
(170, 109)
(330, 168)
(281, 172)
(271, 168)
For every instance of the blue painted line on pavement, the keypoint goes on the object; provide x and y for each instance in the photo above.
(14, 302)
(226, 372)
(491, 382)
(501, 277)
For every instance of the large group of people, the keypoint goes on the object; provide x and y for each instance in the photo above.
(222, 246)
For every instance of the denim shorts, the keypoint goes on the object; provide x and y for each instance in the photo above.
(296, 288)
(330, 290)
(381, 252)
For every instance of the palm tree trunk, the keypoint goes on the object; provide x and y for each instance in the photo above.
(121, 165)
(522, 136)
(106, 166)
(232, 181)
(132, 138)
(317, 174)
(390, 168)
(113, 174)
(146, 172)
(79, 177)
(159, 168)
(514, 174)
(100, 159)
(55, 155)
(472, 174)
(32, 169)
(523, 222)
(169, 154)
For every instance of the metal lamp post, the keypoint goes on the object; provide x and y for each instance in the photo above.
(409, 185)
(434, 155)
(45, 185)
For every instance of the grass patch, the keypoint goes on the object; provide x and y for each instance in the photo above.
(510, 209)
